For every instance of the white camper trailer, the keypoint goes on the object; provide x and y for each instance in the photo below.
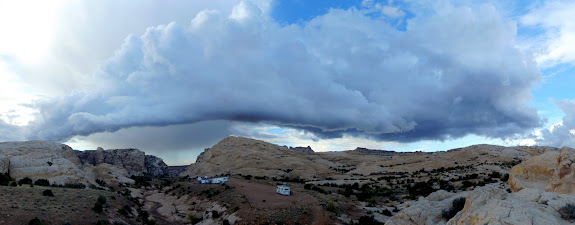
(218, 180)
(283, 189)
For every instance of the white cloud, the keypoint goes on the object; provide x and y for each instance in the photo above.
(556, 45)
(343, 73)
(562, 133)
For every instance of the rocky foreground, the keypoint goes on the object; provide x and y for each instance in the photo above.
(481, 184)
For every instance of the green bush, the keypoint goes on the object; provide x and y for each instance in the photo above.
(331, 207)
(368, 220)
(42, 182)
(25, 180)
(194, 219)
(5, 179)
(102, 199)
(215, 214)
(48, 193)
(568, 212)
(98, 207)
(125, 210)
(37, 221)
(76, 186)
(456, 206)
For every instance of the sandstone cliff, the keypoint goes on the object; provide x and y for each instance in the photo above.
(42, 160)
(135, 162)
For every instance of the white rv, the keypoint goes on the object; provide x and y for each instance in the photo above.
(283, 189)
(218, 180)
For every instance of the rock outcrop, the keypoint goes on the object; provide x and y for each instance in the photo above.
(155, 166)
(533, 173)
(42, 160)
(135, 162)
(552, 171)
(425, 211)
(493, 205)
(563, 179)
(238, 155)
(4, 165)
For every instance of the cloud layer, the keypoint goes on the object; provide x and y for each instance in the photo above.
(563, 133)
(454, 73)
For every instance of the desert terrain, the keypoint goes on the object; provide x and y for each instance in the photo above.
(471, 185)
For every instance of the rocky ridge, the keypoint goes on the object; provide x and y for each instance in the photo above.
(59, 164)
(541, 187)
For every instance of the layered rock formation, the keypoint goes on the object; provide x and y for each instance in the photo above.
(59, 164)
(493, 205)
(563, 179)
(426, 210)
(135, 162)
(553, 171)
(533, 173)
(541, 186)
(237, 155)
(42, 160)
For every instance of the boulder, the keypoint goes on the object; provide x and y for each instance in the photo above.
(40, 159)
(562, 180)
(493, 205)
(155, 166)
(425, 210)
(108, 173)
(4, 165)
(135, 162)
(533, 173)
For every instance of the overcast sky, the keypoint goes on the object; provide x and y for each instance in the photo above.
(174, 77)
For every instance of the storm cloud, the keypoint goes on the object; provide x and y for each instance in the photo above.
(453, 73)
(563, 133)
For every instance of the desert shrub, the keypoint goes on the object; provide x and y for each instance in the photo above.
(331, 207)
(141, 180)
(102, 199)
(420, 188)
(98, 207)
(386, 212)
(42, 182)
(456, 206)
(495, 174)
(125, 210)
(307, 186)
(194, 218)
(13, 184)
(215, 214)
(75, 186)
(368, 220)
(101, 182)
(505, 177)
(48, 193)
(316, 188)
(226, 222)
(25, 180)
(37, 221)
(568, 212)
(103, 222)
(5, 179)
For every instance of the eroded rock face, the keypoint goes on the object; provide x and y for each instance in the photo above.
(135, 162)
(4, 165)
(155, 166)
(535, 172)
(493, 205)
(42, 160)
(563, 179)
(426, 211)
(110, 174)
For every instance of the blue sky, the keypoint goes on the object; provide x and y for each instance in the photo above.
(173, 78)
